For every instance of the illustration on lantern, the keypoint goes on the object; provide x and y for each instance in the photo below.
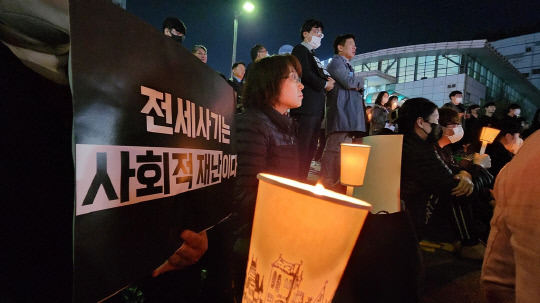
(283, 286)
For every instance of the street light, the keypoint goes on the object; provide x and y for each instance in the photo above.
(247, 7)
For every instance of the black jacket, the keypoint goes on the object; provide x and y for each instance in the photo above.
(423, 172)
(314, 81)
(424, 179)
(237, 86)
(266, 143)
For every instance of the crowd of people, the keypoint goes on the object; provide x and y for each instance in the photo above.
(446, 185)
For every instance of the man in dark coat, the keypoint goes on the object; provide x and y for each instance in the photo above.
(315, 80)
(237, 82)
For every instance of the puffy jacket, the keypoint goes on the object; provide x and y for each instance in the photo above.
(423, 172)
(266, 143)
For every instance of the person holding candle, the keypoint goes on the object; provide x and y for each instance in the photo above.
(476, 206)
(505, 145)
(428, 185)
(265, 141)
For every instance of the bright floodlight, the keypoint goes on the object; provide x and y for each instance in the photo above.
(248, 7)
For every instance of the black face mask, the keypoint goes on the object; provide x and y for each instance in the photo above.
(435, 134)
(178, 39)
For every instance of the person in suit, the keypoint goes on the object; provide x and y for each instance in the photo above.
(346, 114)
(315, 80)
(237, 82)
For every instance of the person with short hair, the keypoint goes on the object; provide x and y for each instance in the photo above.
(257, 52)
(456, 100)
(345, 116)
(237, 82)
(200, 52)
(316, 81)
(512, 113)
(489, 119)
(505, 145)
(175, 29)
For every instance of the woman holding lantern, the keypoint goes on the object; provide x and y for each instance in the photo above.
(265, 141)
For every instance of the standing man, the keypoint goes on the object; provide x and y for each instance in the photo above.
(345, 118)
(488, 119)
(258, 51)
(512, 112)
(237, 82)
(456, 98)
(315, 80)
(175, 29)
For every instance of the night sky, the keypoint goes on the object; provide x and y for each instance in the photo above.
(376, 24)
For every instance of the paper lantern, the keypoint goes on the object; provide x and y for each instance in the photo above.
(487, 135)
(354, 158)
(301, 241)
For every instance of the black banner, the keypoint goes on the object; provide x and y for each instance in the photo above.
(152, 132)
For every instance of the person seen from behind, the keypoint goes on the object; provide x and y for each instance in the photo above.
(511, 268)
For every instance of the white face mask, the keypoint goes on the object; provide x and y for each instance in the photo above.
(459, 100)
(458, 134)
(315, 42)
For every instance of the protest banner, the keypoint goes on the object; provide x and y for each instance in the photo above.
(152, 145)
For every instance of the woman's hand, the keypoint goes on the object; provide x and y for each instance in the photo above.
(189, 253)
(465, 185)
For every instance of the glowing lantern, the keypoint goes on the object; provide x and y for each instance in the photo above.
(488, 135)
(354, 158)
(301, 241)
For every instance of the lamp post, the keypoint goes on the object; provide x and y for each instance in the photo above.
(248, 7)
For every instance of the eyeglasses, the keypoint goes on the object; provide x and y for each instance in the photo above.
(295, 77)
(317, 33)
